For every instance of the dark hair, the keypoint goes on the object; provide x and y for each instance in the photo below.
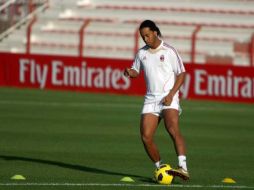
(150, 24)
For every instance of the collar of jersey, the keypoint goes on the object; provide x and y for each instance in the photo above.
(157, 49)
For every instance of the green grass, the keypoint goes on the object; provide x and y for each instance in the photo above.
(54, 137)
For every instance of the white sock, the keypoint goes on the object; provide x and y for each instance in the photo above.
(157, 164)
(182, 162)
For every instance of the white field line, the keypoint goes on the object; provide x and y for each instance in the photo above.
(116, 105)
(129, 185)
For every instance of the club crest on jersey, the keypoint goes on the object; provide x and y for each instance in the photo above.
(144, 58)
(162, 58)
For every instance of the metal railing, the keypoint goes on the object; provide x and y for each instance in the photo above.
(14, 13)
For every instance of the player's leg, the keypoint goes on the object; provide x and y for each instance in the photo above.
(171, 121)
(148, 125)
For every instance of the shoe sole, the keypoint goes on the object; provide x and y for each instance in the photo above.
(176, 173)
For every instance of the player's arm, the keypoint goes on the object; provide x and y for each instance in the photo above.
(178, 83)
(128, 72)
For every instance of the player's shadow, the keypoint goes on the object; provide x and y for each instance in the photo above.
(74, 167)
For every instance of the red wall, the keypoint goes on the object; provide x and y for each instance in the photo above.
(211, 82)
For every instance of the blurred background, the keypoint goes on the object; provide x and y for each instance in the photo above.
(203, 31)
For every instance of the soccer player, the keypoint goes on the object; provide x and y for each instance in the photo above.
(164, 74)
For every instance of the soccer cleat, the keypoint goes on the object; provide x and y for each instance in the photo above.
(180, 172)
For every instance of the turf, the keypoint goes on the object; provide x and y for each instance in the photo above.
(71, 140)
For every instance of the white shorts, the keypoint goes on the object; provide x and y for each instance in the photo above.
(157, 107)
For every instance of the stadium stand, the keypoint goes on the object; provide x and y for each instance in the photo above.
(203, 31)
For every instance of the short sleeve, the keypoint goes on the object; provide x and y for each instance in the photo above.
(178, 66)
(137, 63)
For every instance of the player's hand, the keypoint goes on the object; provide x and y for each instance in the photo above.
(167, 100)
(127, 72)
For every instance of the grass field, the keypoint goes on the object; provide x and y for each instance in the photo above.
(69, 140)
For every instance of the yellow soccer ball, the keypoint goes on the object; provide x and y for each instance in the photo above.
(161, 175)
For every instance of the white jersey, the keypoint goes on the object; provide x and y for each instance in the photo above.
(160, 66)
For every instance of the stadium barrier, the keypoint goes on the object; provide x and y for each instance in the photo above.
(208, 82)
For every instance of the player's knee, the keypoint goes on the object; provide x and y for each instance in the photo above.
(146, 138)
(174, 132)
